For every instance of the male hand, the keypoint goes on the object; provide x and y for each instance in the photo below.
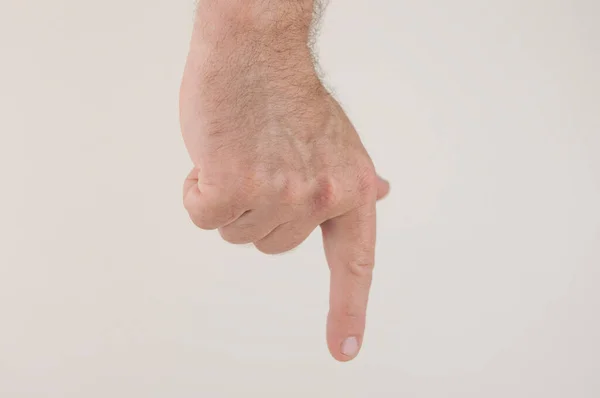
(274, 154)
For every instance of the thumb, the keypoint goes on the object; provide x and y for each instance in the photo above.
(349, 242)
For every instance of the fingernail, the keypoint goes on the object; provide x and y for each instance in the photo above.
(350, 347)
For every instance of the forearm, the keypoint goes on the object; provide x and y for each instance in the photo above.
(236, 42)
(283, 20)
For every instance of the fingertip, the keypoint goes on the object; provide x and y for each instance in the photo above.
(345, 349)
(345, 336)
(350, 348)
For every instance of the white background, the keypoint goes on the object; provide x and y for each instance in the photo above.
(485, 115)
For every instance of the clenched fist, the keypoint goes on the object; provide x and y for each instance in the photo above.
(274, 154)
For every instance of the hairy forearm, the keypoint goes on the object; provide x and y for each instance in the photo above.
(284, 20)
(239, 41)
(248, 55)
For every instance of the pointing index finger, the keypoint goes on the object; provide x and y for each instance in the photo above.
(349, 242)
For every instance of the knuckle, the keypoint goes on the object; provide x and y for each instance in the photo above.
(327, 196)
(288, 188)
(361, 270)
(242, 188)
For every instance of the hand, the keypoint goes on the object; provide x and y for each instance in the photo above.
(275, 157)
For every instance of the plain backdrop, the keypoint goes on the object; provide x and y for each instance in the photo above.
(485, 115)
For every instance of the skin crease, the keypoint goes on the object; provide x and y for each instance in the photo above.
(274, 155)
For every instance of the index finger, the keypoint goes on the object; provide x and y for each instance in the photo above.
(349, 242)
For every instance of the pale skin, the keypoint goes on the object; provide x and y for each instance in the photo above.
(274, 155)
